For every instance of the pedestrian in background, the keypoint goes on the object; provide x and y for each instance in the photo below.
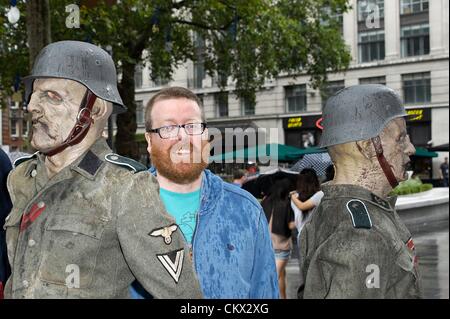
(304, 199)
(5, 207)
(281, 223)
(444, 172)
(239, 178)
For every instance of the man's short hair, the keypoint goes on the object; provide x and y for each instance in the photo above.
(238, 174)
(175, 92)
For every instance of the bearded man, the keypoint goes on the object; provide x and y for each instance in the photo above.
(225, 225)
(85, 222)
(355, 245)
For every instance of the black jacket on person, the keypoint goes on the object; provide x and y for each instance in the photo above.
(5, 208)
(282, 215)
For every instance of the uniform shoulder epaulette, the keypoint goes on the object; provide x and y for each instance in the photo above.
(24, 159)
(126, 162)
(359, 213)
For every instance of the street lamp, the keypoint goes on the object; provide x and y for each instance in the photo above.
(13, 13)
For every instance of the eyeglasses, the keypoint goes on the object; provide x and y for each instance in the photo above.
(172, 131)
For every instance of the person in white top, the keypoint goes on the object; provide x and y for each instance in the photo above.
(304, 199)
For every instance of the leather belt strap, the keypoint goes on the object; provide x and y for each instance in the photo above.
(81, 127)
(383, 162)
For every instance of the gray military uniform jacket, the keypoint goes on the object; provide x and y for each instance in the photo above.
(91, 230)
(356, 246)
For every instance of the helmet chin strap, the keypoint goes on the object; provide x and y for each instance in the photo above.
(81, 127)
(376, 141)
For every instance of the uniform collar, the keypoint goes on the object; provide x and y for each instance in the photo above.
(88, 164)
(91, 161)
(31, 165)
(358, 192)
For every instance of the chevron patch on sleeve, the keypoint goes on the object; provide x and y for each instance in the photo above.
(173, 263)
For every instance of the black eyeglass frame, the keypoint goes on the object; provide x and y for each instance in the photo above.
(179, 126)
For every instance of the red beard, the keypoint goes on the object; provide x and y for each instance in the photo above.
(182, 172)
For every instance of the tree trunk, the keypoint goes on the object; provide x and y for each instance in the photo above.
(38, 27)
(125, 143)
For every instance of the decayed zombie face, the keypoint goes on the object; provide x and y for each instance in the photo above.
(397, 147)
(54, 106)
(177, 157)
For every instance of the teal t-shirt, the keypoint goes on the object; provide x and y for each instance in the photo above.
(183, 207)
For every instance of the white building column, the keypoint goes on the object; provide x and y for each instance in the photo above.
(351, 30)
(392, 29)
(438, 10)
(445, 34)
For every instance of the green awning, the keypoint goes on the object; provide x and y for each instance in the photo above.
(423, 152)
(262, 153)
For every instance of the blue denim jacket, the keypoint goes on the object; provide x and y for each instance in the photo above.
(232, 249)
(5, 207)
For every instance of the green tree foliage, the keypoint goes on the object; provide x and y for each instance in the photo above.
(248, 41)
(13, 51)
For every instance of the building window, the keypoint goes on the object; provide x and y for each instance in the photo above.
(373, 80)
(369, 8)
(221, 102)
(140, 113)
(160, 81)
(201, 98)
(199, 74)
(415, 40)
(371, 46)
(199, 63)
(14, 123)
(416, 88)
(24, 128)
(330, 89)
(413, 6)
(220, 80)
(247, 107)
(334, 17)
(13, 105)
(138, 76)
(296, 98)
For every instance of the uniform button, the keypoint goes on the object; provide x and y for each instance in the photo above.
(25, 283)
(33, 173)
(41, 204)
(31, 243)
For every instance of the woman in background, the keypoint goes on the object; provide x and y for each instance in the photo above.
(280, 217)
(307, 196)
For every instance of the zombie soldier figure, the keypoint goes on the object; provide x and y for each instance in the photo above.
(355, 245)
(84, 220)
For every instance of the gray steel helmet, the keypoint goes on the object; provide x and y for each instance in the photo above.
(359, 113)
(83, 62)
